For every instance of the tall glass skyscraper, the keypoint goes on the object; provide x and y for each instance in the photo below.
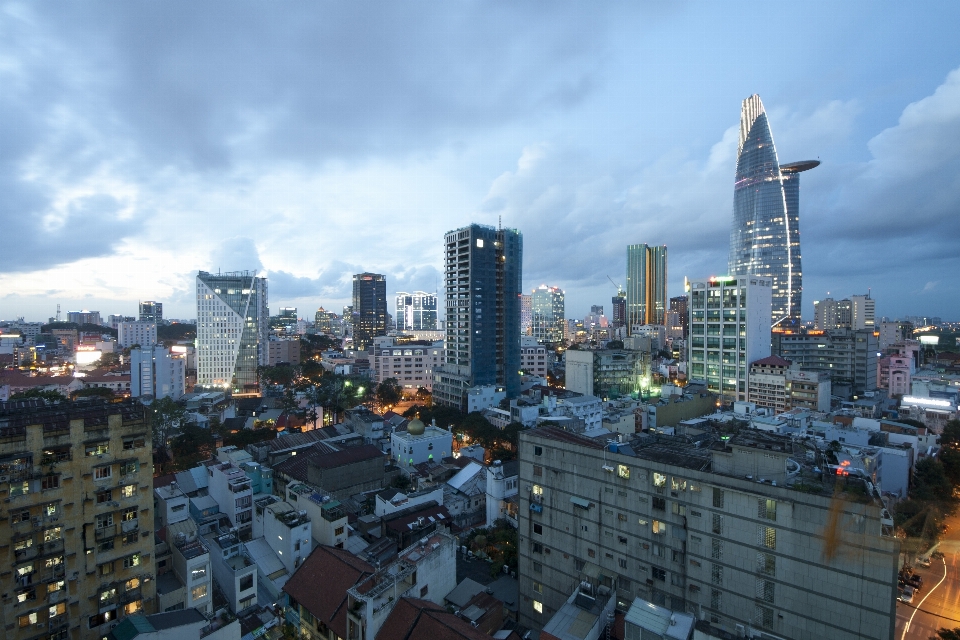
(483, 274)
(369, 309)
(765, 236)
(232, 330)
(416, 311)
(646, 285)
(547, 314)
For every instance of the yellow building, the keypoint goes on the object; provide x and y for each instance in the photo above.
(75, 518)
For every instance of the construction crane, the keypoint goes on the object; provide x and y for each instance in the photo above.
(619, 288)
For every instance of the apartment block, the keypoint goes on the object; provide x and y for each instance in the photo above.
(141, 333)
(283, 350)
(743, 533)
(780, 385)
(849, 357)
(76, 486)
(409, 362)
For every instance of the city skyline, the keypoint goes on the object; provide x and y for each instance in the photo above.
(160, 151)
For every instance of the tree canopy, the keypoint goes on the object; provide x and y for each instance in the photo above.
(389, 392)
(48, 395)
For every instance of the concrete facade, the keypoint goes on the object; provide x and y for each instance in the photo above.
(692, 529)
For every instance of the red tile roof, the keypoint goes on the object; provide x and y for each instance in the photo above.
(772, 361)
(320, 584)
(414, 619)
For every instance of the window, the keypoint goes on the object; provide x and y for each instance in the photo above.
(659, 481)
(679, 509)
(716, 550)
(676, 579)
(538, 587)
(25, 595)
(659, 574)
(106, 568)
(55, 586)
(718, 498)
(21, 545)
(694, 486)
(338, 531)
(50, 510)
(537, 567)
(103, 473)
(766, 537)
(767, 564)
(131, 584)
(128, 514)
(27, 619)
(129, 467)
(97, 449)
(537, 547)
(591, 553)
(128, 491)
(538, 451)
(764, 617)
(656, 549)
(133, 607)
(133, 443)
(623, 471)
(623, 563)
(765, 589)
(716, 574)
(767, 508)
(246, 582)
(22, 515)
(678, 484)
(660, 504)
(104, 520)
(130, 538)
(538, 606)
(659, 527)
(537, 471)
(106, 545)
(677, 555)
(717, 524)
(622, 539)
(538, 529)
(199, 591)
(621, 517)
(537, 490)
(131, 561)
(104, 496)
(715, 599)
(108, 594)
(50, 482)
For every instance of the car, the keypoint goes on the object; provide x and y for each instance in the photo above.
(906, 595)
(915, 581)
(923, 561)
(937, 554)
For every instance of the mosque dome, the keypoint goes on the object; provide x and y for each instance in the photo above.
(416, 427)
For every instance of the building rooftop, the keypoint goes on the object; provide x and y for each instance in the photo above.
(349, 455)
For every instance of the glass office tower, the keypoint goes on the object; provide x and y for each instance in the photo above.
(369, 309)
(765, 236)
(416, 311)
(547, 314)
(232, 330)
(646, 285)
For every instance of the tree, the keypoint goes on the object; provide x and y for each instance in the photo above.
(912, 422)
(930, 482)
(951, 434)
(48, 395)
(389, 392)
(947, 634)
(93, 392)
(950, 459)
(166, 420)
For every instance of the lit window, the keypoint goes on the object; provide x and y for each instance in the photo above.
(537, 490)
(623, 471)
(538, 606)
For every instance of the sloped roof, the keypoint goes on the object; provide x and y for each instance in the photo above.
(772, 361)
(464, 592)
(320, 584)
(465, 475)
(415, 619)
(296, 466)
(349, 455)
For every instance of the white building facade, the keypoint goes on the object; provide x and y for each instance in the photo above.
(157, 372)
(141, 333)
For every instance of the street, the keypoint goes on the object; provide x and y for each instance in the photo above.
(937, 604)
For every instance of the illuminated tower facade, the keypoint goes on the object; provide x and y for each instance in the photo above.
(765, 236)
(646, 285)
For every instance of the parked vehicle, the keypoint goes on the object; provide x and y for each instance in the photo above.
(906, 595)
(915, 581)
(923, 561)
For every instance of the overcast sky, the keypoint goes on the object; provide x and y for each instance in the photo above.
(141, 142)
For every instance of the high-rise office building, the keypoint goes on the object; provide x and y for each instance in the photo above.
(416, 311)
(646, 284)
(765, 236)
(619, 313)
(328, 323)
(526, 314)
(849, 356)
(369, 309)
(729, 329)
(232, 330)
(855, 312)
(483, 275)
(547, 314)
(679, 304)
(151, 311)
